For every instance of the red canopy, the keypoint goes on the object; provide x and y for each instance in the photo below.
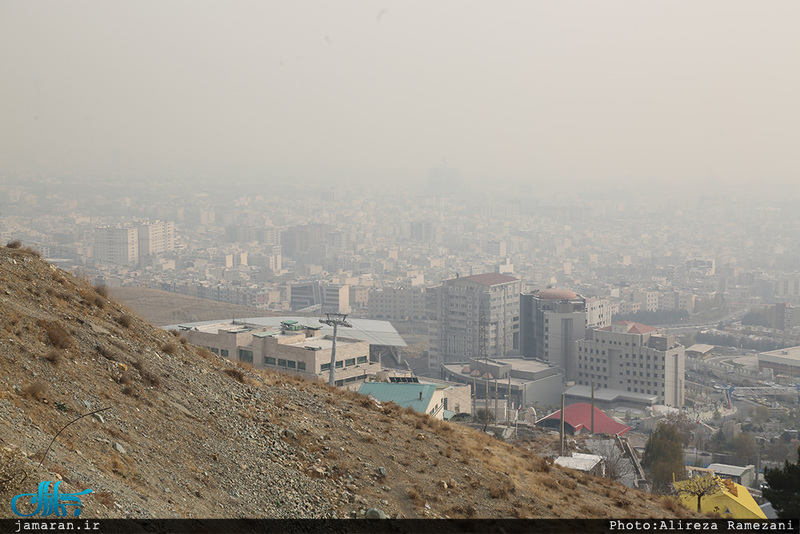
(579, 418)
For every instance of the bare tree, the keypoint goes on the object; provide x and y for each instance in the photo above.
(618, 465)
(699, 487)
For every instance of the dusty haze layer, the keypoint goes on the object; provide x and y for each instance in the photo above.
(536, 91)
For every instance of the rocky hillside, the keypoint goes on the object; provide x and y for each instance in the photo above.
(188, 434)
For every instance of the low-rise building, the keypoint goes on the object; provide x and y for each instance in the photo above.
(291, 348)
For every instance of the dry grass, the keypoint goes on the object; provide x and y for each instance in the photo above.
(101, 290)
(14, 244)
(35, 390)
(58, 335)
(124, 320)
(235, 373)
(53, 356)
(169, 348)
(106, 498)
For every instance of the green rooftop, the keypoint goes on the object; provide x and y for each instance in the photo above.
(404, 395)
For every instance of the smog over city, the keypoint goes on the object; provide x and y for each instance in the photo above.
(482, 196)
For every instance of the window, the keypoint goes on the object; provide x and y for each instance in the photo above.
(269, 360)
(292, 364)
(301, 366)
(223, 352)
(281, 362)
(339, 364)
(361, 359)
(214, 350)
(325, 367)
(350, 361)
(246, 355)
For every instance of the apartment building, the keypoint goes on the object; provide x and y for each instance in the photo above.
(155, 237)
(632, 357)
(397, 303)
(553, 320)
(117, 244)
(473, 316)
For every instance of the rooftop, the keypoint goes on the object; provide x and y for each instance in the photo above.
(629, 327)
(369, 330)
(491, 279)
(556, 293)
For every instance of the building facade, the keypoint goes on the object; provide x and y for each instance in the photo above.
(553, 320)
(633, 357)
(291, 348)
(117, 244)
(473, 316)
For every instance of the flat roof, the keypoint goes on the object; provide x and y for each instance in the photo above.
(522, 364)
(372, 331)
(609, 395)
(790, 355)
(455, 369)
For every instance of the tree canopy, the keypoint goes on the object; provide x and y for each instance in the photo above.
(663, 457)
(784, 489)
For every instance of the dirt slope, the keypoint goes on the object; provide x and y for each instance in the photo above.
(188, 434)
(163, 308)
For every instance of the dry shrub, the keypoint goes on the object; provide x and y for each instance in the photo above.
(129, 391)
(35, 389)
(99, 301)
(501, 491)
(101, 290)
(569, 484)
(124, 321)
(415, 496)
(125, 378)
(369, 438)
(14, 244)
(150, 378)
(175, 333)
(169, 348)
(467, 510)
(235, 373)
(280, 399)
(106, 353)
(551, 483)
(671, 505)
(58, 336)
(106, 498)
(53, 356)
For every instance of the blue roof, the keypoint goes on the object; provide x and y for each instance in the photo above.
(404, 395)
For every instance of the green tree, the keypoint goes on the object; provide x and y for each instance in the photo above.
(784, 489)
(663, 457)
(745, 446)
(484, 416)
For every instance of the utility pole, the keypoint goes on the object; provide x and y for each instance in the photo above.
(334, 320)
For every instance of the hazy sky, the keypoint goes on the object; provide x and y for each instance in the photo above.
(529, 90)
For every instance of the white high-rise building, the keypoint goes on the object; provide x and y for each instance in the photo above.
(473, 317)
(117, 244)
(632, 357)
(155, 238)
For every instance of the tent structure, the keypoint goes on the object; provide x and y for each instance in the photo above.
(578, 418)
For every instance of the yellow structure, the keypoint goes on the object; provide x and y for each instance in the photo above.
(727, 498)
